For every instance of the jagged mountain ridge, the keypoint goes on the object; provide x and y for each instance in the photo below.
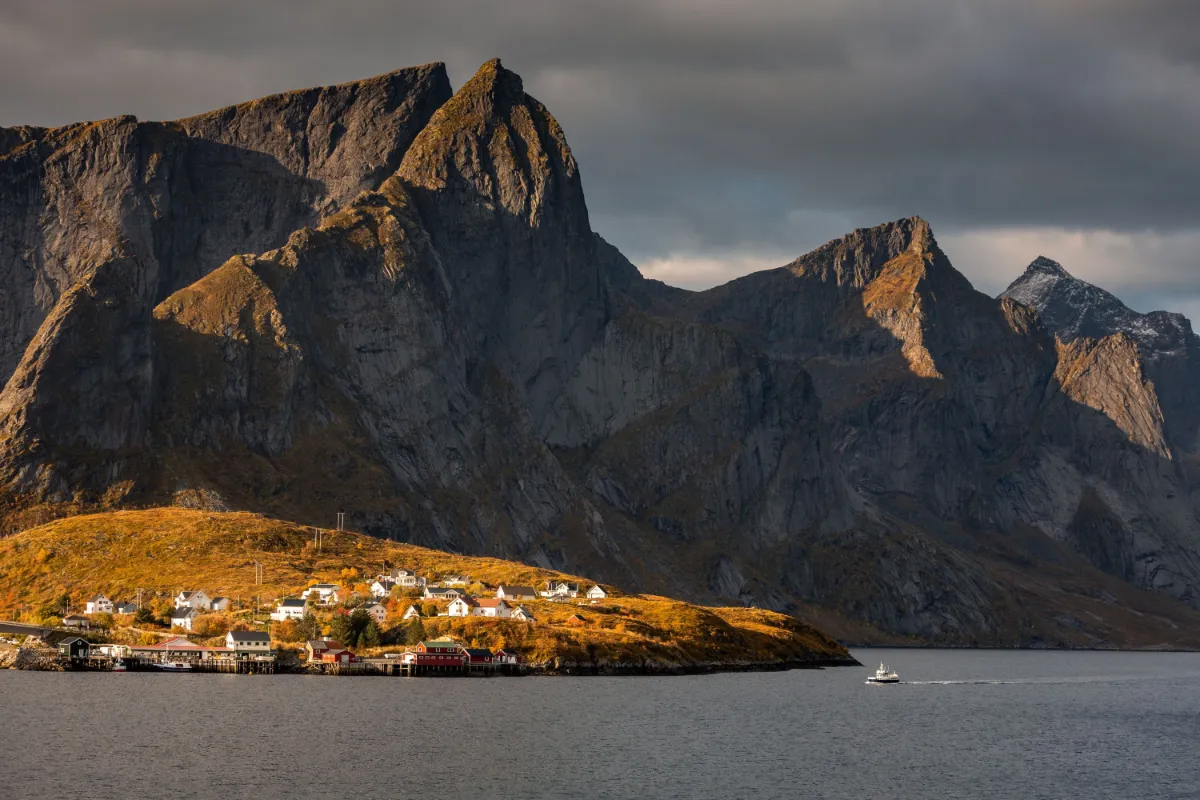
(1167, 349)
(184, 196)
(456, 359)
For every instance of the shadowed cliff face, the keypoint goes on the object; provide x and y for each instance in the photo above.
(182, 197)
(442, 348)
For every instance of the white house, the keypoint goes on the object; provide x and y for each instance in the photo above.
(439, 593)
(596, 593)
(248, 643)
(184, 617)
(406, 578)
(197, 599)
(291, 608)
(456, 580)
(412, 612)
(560, 590)
(522, 614)
(491, 607)
(382, 587)
(505, 592)
(99, 605)
(460, 607)
(326, 593)
(220, 604)
(377, 612)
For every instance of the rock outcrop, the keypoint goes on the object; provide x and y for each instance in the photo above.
(440, 346)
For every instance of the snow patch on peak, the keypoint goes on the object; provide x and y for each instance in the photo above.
(1048, 266)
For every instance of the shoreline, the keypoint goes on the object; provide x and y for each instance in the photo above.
(1017, 648)
(703, 668)
(44, 664)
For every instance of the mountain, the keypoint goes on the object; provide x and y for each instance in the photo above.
(1168, 350)
(455, 359)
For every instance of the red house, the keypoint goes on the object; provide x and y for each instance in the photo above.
(436, 653)
(338, 657)
(506, 657)
(478, 657)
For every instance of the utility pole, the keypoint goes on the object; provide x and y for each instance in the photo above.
(139, 599)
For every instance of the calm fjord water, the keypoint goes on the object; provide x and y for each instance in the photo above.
(980, 724)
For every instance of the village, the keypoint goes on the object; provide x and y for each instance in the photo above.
(358, 629)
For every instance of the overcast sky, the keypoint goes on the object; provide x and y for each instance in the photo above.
(720, 136)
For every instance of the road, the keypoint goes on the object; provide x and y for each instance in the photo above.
(27, 630)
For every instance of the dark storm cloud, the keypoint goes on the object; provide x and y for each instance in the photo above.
(710, 129)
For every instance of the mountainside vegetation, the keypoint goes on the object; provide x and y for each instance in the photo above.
(165, 551)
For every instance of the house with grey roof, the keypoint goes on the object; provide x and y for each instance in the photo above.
(290, 608)
(99, 605)
(508, 592)
(248, 644)
(195, 599)
(184, 617)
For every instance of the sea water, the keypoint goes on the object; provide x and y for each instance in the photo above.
(962, 724)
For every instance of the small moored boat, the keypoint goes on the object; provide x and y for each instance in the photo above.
(119, 665)
(175, 666)
(884, 675)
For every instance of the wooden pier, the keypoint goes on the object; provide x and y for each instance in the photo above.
(228, 666)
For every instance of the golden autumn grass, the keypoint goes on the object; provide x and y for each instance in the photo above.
(169, 549)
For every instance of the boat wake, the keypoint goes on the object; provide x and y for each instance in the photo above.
(1015, 681)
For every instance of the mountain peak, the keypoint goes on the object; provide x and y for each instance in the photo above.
(1073, 308)
(493, 75)
(1046, 266)
(494, 141)
(856, 258)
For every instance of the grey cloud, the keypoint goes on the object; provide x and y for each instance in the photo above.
(719, 127)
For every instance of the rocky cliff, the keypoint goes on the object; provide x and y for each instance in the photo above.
(1167, 350)
(407, 317)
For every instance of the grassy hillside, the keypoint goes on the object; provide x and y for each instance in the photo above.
(166, 550)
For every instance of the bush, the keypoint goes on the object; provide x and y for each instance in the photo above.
(144, 616)
(209, 626)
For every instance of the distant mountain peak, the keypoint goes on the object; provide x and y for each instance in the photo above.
(1073, 308)
(1046, 266)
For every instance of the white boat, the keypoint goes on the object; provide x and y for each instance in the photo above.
(884, 675)
(119, 665)
(175, 666)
